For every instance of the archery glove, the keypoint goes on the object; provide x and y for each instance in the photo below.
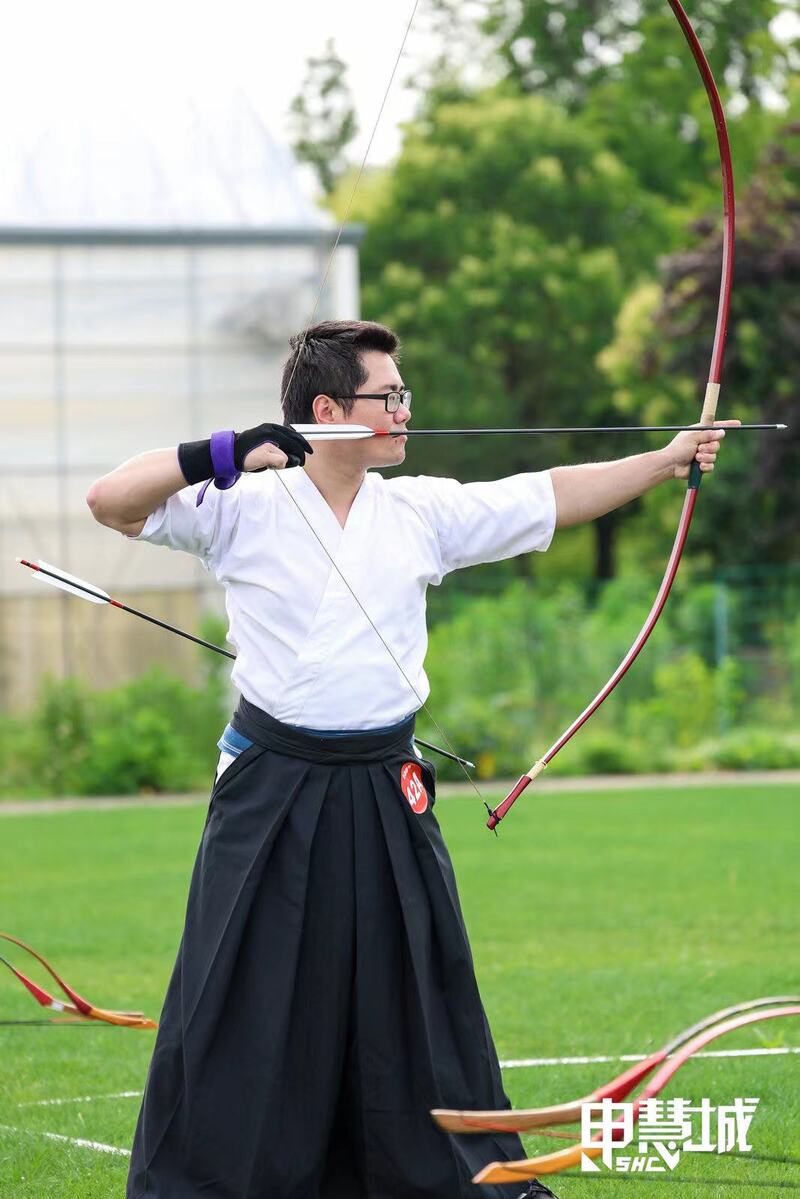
(194, 457)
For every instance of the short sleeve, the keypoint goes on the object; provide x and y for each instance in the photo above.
(486, 522)
(206, 532)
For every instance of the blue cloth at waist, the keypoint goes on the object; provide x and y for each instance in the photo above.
(233, 742)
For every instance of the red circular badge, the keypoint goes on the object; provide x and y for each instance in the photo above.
(413, 787)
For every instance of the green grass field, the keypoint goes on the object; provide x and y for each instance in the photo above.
(601, 923)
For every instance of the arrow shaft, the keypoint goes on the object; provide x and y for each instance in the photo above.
(93, 593)
(444, 752)
(360, 432)
(78, 586)
(171, 628)
(569, 429)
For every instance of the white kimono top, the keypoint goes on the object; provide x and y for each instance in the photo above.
(304, 651)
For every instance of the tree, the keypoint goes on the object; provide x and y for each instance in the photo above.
(625, 69)
(567, 50)
(515, 244)
(501, 247)
(664, 339)
(322, 117)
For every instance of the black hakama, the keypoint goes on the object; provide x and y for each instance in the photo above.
(324, 996)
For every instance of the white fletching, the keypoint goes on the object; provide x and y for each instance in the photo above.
(98, 596)
(334, 432)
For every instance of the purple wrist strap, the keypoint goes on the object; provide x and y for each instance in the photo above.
(225, 472)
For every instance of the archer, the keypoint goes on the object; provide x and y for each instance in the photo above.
(324, 996)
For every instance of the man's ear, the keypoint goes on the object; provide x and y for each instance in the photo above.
(326, 411)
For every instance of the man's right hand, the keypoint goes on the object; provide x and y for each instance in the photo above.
(269, 447)
(255, 449)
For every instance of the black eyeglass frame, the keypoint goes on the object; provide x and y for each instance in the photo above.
(396, 398)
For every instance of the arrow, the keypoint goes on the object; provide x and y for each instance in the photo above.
(337, 432)
(75, 586)
(46, 573)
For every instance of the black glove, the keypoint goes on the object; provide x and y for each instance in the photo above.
(293, 444)
(194, 457)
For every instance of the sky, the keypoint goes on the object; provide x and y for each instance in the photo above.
(67, 60)
(86, 61)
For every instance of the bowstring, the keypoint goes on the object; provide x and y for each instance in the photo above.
(351, 197)
(423, 705)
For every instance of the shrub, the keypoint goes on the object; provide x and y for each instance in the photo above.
(510, 672)
(749, 749)
(688, 697)
(602, 752)
(154, 733)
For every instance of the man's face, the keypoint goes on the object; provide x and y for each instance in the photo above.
(383, 376)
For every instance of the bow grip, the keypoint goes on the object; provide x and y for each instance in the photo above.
(499, 812)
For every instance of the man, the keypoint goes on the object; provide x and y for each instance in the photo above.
(324, 997)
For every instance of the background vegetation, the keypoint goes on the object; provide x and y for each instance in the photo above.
(510, 665)
(548, 244)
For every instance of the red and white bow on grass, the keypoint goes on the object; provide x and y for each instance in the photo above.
(564, 1159)
(617, 1089)
(76, 1010)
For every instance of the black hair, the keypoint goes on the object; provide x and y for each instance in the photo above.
(326, 360)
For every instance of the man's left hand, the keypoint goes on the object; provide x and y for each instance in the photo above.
(702, 444)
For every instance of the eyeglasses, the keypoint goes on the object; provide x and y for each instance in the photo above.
(392, 399)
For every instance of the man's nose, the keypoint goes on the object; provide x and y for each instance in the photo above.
(401, 415)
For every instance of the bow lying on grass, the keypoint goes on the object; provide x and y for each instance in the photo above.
(77, 1007)
(564, 1159)
(527, 1119)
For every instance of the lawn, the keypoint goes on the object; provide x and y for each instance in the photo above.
(601, 923)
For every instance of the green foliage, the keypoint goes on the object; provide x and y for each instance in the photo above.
(154, 733)
(500, 249)
(548, 249)
(787, 641)
(215, 668)
(511, 671)
(687, 697)
(323, 118)
(604, 753)
(750, 749)
(575, 51)
(659, 358)
(61, 729)
(508, 672)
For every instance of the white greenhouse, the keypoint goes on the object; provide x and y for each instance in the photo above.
(146, 298)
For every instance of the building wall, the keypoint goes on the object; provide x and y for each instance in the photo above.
(106, 646)
(110, 348)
